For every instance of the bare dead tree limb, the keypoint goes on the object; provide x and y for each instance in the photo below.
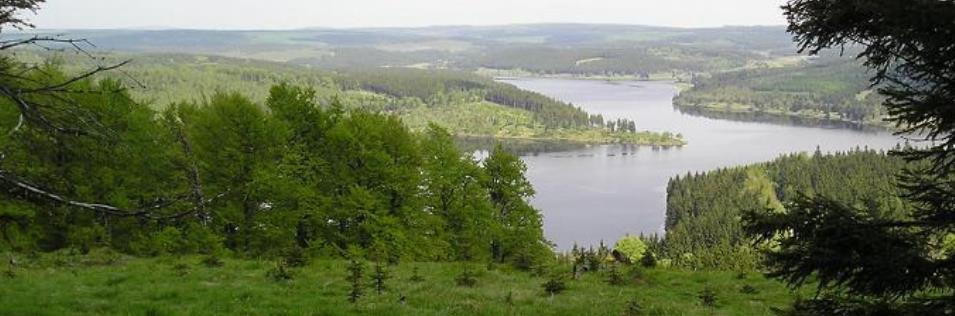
(75, 79)
(17, 127)
(46, 106)
(147, 212)
(193, 172)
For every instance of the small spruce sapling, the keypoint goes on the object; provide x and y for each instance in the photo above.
(649, 260)
(708, 297)
(633, 308)
(181, 269)
(614, 277)
(555, 284)
(280, 272)
(415, 276)
(748, 289)
(212, 261)
(296, 257)
(380, 276)
(355, 274)
(466, 278)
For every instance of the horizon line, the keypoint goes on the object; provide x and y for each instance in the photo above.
(307, 28)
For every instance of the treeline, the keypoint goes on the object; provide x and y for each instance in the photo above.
(172, 77)
(433, 86)
(464, 103)
(703, 228)
(829, 88)
(641, 62)
(229, 175)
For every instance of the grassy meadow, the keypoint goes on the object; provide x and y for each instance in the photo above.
(105, 283)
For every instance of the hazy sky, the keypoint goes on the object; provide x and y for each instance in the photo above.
(285, 14)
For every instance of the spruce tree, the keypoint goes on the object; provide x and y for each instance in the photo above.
(865, 262)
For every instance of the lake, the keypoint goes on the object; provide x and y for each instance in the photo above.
(602, 192)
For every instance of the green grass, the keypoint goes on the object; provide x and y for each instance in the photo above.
(180, 286)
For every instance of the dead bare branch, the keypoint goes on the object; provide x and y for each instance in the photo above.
(75, 79)
(145, 212)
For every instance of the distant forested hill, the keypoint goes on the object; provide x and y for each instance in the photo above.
(580, 49)
(466, 103)
(703, 210)
(829, 88)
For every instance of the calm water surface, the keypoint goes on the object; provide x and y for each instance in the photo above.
(602, 192)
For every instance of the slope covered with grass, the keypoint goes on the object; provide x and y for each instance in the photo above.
(98, 284)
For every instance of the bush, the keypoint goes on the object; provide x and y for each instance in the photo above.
(192, 239)
(199, 239)
(631, 246)
(167, 241)
(85, 239)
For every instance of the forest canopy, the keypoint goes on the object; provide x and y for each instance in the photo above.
(227, 174)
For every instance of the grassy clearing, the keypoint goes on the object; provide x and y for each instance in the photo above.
(176, 286)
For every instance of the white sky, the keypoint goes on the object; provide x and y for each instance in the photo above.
(287, 14)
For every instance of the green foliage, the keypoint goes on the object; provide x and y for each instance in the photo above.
(639, 62)
(86, 238)
(518, 237)
(879, 263)
(703, 210)
(236, 176)
(632, 247)
(828, 88)
(466, 103)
